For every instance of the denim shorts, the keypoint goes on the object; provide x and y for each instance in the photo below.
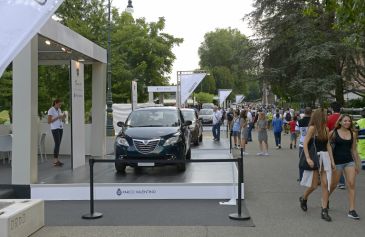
(343, 166)
(236, 133)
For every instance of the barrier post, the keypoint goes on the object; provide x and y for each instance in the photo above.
(92, 214)
(239, 215)
(230, 141)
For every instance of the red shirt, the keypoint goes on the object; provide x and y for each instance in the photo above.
(292, 125)
(331, 120)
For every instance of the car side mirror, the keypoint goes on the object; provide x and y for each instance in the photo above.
(187, 123)
(120, 124)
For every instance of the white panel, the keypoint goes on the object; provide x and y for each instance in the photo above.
(78, 124)
(188, 84)
(136, 191)
(20, 22)
(161, 88)
(222, 95)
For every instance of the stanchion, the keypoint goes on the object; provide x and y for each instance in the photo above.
(239, 215)
(92, 214)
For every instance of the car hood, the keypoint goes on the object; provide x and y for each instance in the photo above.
(205, 116)
(149, 132)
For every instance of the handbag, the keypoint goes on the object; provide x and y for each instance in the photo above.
(312, 149)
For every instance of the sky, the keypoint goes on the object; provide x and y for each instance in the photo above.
(190, 20)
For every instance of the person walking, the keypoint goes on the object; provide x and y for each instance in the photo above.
(360, 127)
(236, 128)
(56, 119)
(277, 126)
(331, 122)
(302, 127)
(323, 164)
(346, 159)
(216, 128)
(230, 116)
(293, 133)
(244, 130)
(262, 134)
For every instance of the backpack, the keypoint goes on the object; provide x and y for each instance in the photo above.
(288, 116)
(229, 116)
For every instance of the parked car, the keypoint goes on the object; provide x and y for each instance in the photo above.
(206, 116)
(207, 106)
(196, 128)
(153, 133)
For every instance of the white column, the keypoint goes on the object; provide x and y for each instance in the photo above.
(98, 128)
(150, 97)
(25, 115)
(78, 114)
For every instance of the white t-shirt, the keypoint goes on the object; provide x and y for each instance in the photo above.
(216, 117)
(57, 124)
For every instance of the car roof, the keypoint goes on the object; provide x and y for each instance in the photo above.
(187, 109)
(157, 108)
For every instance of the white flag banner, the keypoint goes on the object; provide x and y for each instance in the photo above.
(222, 95)
(188, 84)
(239, 98)
(20, 21)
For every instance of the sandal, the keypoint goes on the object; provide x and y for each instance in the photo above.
(58, 163)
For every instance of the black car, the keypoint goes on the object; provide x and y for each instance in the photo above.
(196, 127)
(156, 133)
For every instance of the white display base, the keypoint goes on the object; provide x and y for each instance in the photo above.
(22, 217)
(136, 191)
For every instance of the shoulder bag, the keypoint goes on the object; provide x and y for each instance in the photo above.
(312, 149)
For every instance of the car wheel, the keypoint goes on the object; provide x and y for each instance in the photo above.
(196, 142)
(120, 167)
(188, 155)
(181, 167)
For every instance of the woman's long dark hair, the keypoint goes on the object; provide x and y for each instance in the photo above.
(319, 121)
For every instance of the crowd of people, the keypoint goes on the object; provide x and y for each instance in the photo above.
(331, 145)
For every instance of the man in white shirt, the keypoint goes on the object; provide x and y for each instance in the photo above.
(216, 128)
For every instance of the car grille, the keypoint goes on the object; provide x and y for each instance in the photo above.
(146, 146)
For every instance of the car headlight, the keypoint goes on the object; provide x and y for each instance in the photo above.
(172, 140)
(122, 141)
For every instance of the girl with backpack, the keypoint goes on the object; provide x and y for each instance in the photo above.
(236, 128)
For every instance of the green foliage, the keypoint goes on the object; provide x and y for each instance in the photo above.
(4, 116)
(230, 58)
(203, 97)
(304, 56)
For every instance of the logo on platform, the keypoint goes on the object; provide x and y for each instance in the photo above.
(41, 2)
(119, 192)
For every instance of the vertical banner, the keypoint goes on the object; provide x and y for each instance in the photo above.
(222, 95)
(77, 117)
(20, 22)
(134, 95)
(239, 98)
(188, 83)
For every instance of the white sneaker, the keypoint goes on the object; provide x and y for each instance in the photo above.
(266, 154)
(245, 153)
(259, 154)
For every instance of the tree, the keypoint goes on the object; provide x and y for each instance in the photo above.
(203, 97)
(304, 55)
(230, 58)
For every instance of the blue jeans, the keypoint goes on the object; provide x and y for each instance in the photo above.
(277, 138)
(216, 129)
(57, 137)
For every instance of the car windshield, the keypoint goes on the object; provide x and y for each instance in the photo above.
(153, 118)
(189, 115)
(206, 112)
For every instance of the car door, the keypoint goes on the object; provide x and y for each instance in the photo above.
(198, 124)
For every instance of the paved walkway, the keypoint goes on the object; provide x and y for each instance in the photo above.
(272, 194)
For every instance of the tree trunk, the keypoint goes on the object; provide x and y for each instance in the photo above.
(339, 92)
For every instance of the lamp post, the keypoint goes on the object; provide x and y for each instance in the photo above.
(109, 99)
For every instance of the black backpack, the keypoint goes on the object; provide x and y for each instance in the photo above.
(288, 116)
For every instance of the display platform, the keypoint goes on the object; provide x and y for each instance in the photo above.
(199, 181)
